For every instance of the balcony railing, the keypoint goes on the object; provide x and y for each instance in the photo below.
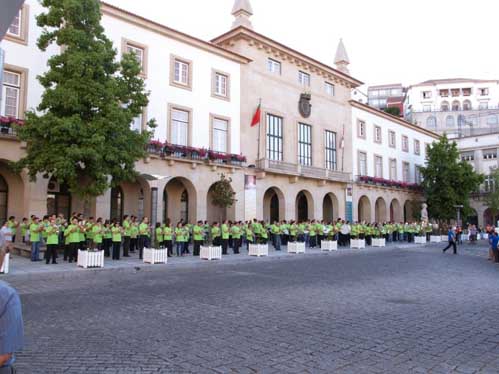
(173, 151)
(375, 181)
(8, 126)
(280, 167)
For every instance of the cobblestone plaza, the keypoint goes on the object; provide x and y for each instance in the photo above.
(401, 309)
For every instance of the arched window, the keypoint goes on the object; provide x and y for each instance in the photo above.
(492, 120)
(431, 122)
(461, 120)
(450, 121)
(456, 106)
(444, 107)
(467, 105)
(117, 203)
(4, 194)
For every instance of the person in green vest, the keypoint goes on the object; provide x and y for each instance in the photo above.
(117, 232)
(197, 234)
(168, 236)
(158, 235)
(293, 232)
(74, 239)
(127, 235)
(236, 237)
(215, 235)
(81, 232)
(107, 238)
(24, 230)
(250, 236)
(275, 230)
(144, 236)
(97, 232)
(89, 236)
(67, 244)
(52, 242)
(180, 239)
(264, 233)
(35, 230)
(13, 225)
(134, 234)
(225, 236)
(312, 234)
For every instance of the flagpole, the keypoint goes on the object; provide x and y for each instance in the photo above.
(259, 131)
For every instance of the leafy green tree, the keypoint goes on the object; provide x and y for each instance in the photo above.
(491, 199)
(447, 180)
(394, 111)
(222, 193)
(81, 131)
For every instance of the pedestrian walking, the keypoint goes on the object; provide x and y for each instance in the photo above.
(451, 237)
(494, 243)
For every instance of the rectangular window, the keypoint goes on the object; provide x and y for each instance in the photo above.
(220, 135)
(455, 92)
(405, 143)
(11, 93)
(489, 184)
(466, 91)
(378, 166)
(417, 147)
(221, 83)
(331, 161)
(304, 78)
(16, 25)
(274, 66)
(305, 144)
(444, 93)
(361, 129)
(406, 172)
(417, 175)
(483, 91)
(426, 108)
(362, 163)
(393, 169)
(137, 124)
(392, 139)
(490, 154)
(274, 138)
(426, 94)
(329, 88)
(179, 127)
(181, 72)
(138, 52)
(468, 156)
(377, 134)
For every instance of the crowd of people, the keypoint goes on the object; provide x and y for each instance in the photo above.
(121, 238)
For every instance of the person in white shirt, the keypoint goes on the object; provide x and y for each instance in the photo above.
(8, 235)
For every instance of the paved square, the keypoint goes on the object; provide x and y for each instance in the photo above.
(395, 310)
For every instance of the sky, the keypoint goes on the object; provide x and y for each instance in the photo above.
(388, 41)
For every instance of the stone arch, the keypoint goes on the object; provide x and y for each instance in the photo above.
(450, 121)
(215, 213)
(409, 213)
(136, 198)
(431, 122)
(364, 209)
(444, 107)
(456, 106)
(380, 210)
(467, 105)
(330, 207)
(304, 206)
(180, 200)
(274, 205)
(396, 212)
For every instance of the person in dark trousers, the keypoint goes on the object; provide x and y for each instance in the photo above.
(116, 231)
(451, 236)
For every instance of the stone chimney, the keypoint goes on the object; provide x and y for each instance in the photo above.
(242, 12)
(341, 60)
